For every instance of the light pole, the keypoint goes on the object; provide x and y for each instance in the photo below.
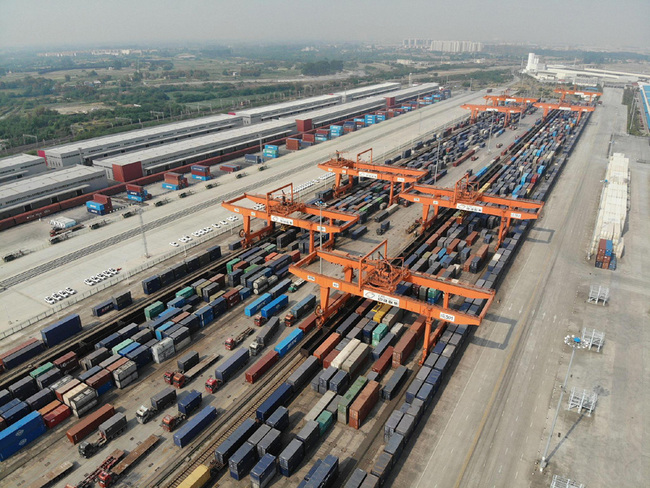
(490, 134)
(320, 232)
(575, 343)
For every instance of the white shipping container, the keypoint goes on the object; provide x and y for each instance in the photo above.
(124, 382)
(183, 344)
(357, 357)
(320, 406)
(345, 353)
(81, 399)
(85, 409)
(162, 351)
(125, 370)
(72, 393)
(397, 330)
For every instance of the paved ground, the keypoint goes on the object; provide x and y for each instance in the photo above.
(490, 425)
(119, 244)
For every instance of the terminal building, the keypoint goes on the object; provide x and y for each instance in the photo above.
(285, 109)
(644, 90)
(367, 91)
(45, 189)
(84, 152)
(20, 166)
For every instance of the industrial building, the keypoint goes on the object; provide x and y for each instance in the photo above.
(40, 190)
(645, 102)
(133, 165)
(83, 152)
(20, 166)
(366, 91)
(444, 46)
(285, 109)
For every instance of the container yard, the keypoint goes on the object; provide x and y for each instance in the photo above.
(451, 268)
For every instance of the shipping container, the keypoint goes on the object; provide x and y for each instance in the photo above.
(20, 434)
(84, 427)
(195, 426)
(242, 461)
(232, 365)
(261, 366)
(364, 403)
(291, 457)
(61, 330)
(264, 471)
(228, 447)
(278, 398)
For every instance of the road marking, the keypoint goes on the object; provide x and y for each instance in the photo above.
(510, 307)
(543, 315)
(516, 474)
(500, 468)
(517, 419)
(554, 318)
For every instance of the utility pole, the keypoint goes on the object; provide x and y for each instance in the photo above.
(144, 237)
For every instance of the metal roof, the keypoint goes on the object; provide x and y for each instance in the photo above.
(19, 159)
(196, 144)
(41, 181)
(288, 105)
(139, 133)
(366, 89)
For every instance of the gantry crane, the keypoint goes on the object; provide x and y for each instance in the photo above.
(466, 196)
(548, 106)
(342, 167)
(491, 108)
(279, 207)
(505, 98)
(583, 93)
(376, 276)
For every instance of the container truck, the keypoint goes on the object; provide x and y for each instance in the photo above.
(186, 405)
(179, 379)
(298, 311)
(111, 475)
(108, 430)
(105, 466)
(232, 342)
(159, 402)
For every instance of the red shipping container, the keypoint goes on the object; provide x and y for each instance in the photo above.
(232, 297)
(84, 427)
(383, 363)
(404, 348)
(49, 407)
(327, 346)
(127, 172)
(308, 324)
(256, 371)
(327, 361)
(56, 416)
(180, 317)
(99, 198)
(240, 265)
(120, 362)
(364, 404)
(309, 137)
(365, 307)
(418, 326)
(17, 348)
(471, 239)
(134, 188)
(59, 392)
(68, 362)
(270, 256)
(482, 251)
(295, 256)
(452, 247)
(293, 144)
(304, 125)
(173, 177)
(100, 379)
(219, 278)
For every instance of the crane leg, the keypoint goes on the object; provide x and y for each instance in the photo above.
(425, 217)
(427, 340)
(392, 185)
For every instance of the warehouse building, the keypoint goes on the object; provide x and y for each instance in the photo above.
(366, 91)
(38, 191)
(133, 165)
(644, 92)
(84, 152)
(285, 109)
(20, 166)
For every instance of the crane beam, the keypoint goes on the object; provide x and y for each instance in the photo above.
(583, 93)
(495, 99)
(475, 109)
(342, 167)
(547, 107)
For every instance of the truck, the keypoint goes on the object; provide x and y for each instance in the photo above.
(52, 476)
(299, 310)
(178, 379)
(106, 465)
(107, 431)
(232, 342)
(186, 406)
(296, 285)
(159, 402)
(383, 227)
(259, 321)
(111, 475)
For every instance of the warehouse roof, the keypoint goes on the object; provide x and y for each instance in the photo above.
(197, 144)
(38, 182)
(141, 133)
(278, 107)
(19, 159)
(369, 89)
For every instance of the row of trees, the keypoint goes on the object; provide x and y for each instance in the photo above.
(321, 68)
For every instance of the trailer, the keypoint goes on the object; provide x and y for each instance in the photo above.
(108, 430)
(179, 380)
(232, 342)
(159, 402)
(298, 311)
(108, 477)
(52, 476)
(106, 466)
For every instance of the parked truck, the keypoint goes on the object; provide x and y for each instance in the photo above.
(107, 431)
(159, 402)
(106, 465)
(111, 475)
(186, 405)
(232, 342)
(296, 285)
(299, 310)
(264, 337)
(179, 379)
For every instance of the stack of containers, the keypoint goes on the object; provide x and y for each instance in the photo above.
(99, 205)
(230, 168)
(271, 151)
(174, 181)
(370, 119)
(125, 374)
(336, 131)
(18, 435)
(322, 135)
(293, 144)
(200, 172)
(137, 193)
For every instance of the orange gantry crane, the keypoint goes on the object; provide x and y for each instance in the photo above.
(466, 196)
(280, 207)
(548, 106)
(583, 93)
(341, 167)
(491, 108)
(376, 276)
(505, 99)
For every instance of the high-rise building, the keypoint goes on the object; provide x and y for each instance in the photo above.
(444, 46)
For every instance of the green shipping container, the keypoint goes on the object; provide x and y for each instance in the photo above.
(41, 370)
(270, 248)
(348, 399)
(231, 263)
(378, 334)
(325, 420)
(155, 309)
(121, 345)
(186, 292)
(252, 267)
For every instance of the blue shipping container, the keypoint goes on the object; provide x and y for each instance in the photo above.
(194, 426)
(275, 306)
(264, 470)
(18, 435)
(254, 307)
(278, 398)
(61, 330)
(289, 342)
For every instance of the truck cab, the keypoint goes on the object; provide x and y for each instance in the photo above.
(259, 321)
(143, 414)
(255, 348)
(212, 385)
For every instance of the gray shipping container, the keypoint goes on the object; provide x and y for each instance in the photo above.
(113, 426)
(304, 372)
(259, 434)
(187, 361)
(94, 358)
(270, 444)
(309, 434)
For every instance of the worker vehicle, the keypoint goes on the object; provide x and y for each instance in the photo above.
(178, 379)
(159, 402)
(232, 342)
(110, 476)
(107, 431)
(296, 285)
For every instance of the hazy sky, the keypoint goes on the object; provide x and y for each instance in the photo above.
(56, 23)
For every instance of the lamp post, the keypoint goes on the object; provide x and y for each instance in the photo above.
(320, 232)
(575, 343)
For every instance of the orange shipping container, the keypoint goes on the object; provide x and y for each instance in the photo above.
(482, 251)
(471, 239)
(84, 427)
(383, 363)
(49, 407)
(365, 307)
(270, 256)
(327, 346)
(116, 364)
(404, 348)
(180, 317)
(418, 327)
(364, 403)
(453, 246)
(327, 361)
(258, 369)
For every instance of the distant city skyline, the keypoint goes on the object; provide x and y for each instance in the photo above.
(607, 24)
